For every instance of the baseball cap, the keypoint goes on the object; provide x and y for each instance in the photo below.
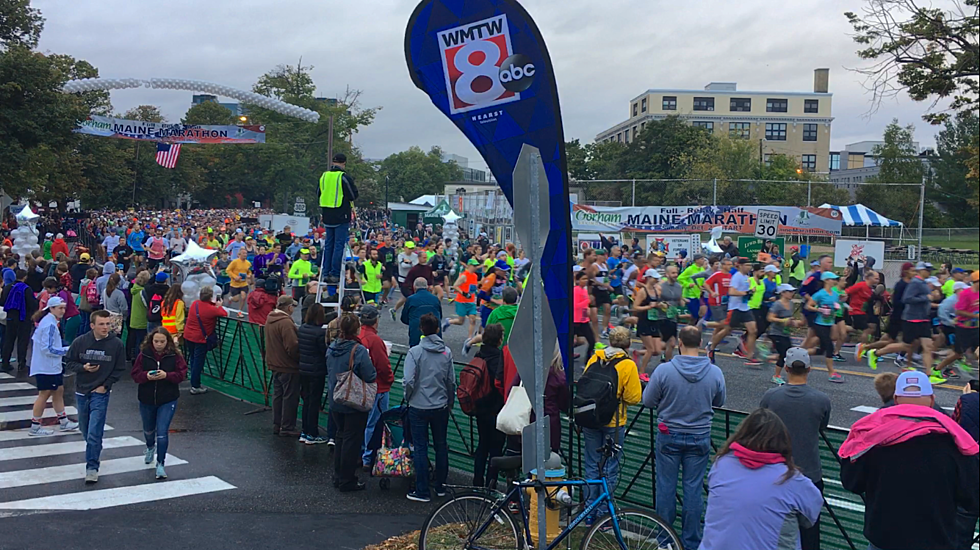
(85, 256)
(369, 313)
(771, 269)
(698, 257)
(284, 301)
(304, 250)
(120, 266)
(785, 288)
(472, 261)
(742, 261)
(49, 235)
(923, 265)
(815, 263)
(913, 384)
(161, 277)
(907, 266)
(794, 247)
(54, 301)
(958, 270)
(828, 275)
(933, 281)
(960, 285)
(502, 265)
(652, 273)
(410, 244)
(797, 354)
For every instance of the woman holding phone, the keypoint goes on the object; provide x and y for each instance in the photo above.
(159, 369)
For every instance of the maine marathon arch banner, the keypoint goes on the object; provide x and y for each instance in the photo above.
(484, 64)
(171, 133)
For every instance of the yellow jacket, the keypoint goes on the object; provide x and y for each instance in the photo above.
(630, 391)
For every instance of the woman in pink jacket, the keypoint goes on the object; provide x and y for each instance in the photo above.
(581, 323)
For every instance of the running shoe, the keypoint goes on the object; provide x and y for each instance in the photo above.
(148, 455)
(415, 497)
(161, 473)
(936, 377)
(91, 476)
(836, 378)
(445, 325)
(644, 377)
(753, 362)
(950, 373)
(467, 347)
(37, 430)
(739, 353)
(901, 362)
(303, 438)
(317, 440)
(963, 366)
(393, 315)
(604, 334)
(331, 442)
(663, 357)
(838, 358)
(916, 357)
(66, 425)
(777, 380)
(860, 351)
(711, 355)
(872, 359)
(762, 349)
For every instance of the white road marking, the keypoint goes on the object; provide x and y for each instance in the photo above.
(68, 447)
(4, 376)
(54, 474)
(15, 416)
(17, 401)
(15, 386)
(864, 409)
(14, 435)
(121, 496)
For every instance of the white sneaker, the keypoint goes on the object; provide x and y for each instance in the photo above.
(198, 391)
(91, 476)
(67, 425)
(37, 430)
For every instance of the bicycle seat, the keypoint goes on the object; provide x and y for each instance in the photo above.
(506, 463)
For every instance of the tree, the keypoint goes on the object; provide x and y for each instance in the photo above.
(927, 52)
(414, 173)
(208, 112)
(950, 188)
(899, 162)
(144, 113)
(20, 24)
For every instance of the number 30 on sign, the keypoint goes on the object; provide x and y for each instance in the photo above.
(767, 224)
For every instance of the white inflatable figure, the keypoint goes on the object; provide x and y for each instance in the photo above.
(711, 247)
(451, 231)
(194, 266)
(25, 236)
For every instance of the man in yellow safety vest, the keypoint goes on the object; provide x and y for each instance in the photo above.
(337, 193)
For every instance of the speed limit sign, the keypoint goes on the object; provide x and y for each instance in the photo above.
(767, 224)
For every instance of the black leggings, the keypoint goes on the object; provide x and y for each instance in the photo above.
(825, 335)
(491, 444)
(585, 330)
(782, 344)
(21, 332)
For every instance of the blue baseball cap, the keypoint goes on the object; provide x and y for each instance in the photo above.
(162, 277)
(828, 275)
(502, 265)
(913, 384)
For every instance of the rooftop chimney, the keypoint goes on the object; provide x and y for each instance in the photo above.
(821, 80)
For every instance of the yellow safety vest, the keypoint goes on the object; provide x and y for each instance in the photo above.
(331, 189)
(371, 281)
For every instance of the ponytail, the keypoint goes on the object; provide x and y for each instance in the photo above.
(38, 315)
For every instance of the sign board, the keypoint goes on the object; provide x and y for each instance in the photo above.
(299, 207)
(298, 224)
(672, 245)
(767, 224)
(701, 219)
(585, 241)
(265, 220)
(749, 247)
(845, 249)
(911, 252)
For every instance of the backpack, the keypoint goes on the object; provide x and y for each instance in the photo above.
(597, 394)
(474, 386)
(154, 308)
(92, 293)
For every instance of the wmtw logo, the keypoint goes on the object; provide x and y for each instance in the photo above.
(480, 66)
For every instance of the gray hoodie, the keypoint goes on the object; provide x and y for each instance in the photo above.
(430, 379)
(107, 270)
(683, 390)
(918, 306)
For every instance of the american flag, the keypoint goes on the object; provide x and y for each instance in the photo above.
(167, 154)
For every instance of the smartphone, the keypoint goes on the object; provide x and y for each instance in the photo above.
(153, 372)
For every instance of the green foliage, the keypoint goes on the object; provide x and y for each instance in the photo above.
(928, 52)
(144, 113)
(20, 24)
(950, 189)
(208, 112)
(413, 173)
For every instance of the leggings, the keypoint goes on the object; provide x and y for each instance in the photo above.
(782, 344)
(19, 331)
(585, 330)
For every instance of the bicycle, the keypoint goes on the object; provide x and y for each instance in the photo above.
(484, 519)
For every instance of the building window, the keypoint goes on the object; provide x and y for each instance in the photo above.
(740, 105)
(642, 125)
(619, 137)
(766, 158)
(809, 163)
(704, 104)
(835, 161)
(776, 105)
(739, 130)
(634, 132)
(809, 132)
(811, 105)
(636, 109)
(709, 126)
(776, 131)
(643, 105)
(670, 103)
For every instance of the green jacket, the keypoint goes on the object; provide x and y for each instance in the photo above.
(505, 316)
(137, 311)
(691, 288)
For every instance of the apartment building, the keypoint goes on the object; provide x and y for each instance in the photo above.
(795, 124)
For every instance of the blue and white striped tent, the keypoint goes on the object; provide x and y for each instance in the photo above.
(858, 214)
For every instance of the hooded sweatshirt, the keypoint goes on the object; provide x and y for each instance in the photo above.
(107, 270)
(683, 391)
(137, 315)
(108, 353)
(918, 305)
(338, 360)
(505, 316)
(430, 379)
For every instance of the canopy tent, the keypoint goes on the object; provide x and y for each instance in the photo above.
(859, 214)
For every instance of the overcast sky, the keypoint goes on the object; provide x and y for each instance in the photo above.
(604, 53)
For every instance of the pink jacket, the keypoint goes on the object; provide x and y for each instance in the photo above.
(580, 306)
(893, 425)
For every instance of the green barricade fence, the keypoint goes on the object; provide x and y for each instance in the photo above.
(237, 368)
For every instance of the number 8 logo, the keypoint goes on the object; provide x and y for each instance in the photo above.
(470, 73)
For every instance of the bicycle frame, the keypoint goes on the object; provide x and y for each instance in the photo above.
(516, 491)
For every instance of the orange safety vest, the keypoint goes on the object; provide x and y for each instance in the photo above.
(169, 320)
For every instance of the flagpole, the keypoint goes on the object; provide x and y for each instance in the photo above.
(136, 171)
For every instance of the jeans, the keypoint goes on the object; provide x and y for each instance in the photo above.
(346, 453)
(691, 452)
(153, 325)
(196, 353)
(83, 327)
(91, 421)
(374, 416)
(156, 426)
(311, 390)
(594, 439)
(334, 241)
(421, 420)
(490, 445)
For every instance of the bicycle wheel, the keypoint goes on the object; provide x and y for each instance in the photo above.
(451, 525)
(641, 531)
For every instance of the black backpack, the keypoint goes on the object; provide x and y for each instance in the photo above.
(597, 394)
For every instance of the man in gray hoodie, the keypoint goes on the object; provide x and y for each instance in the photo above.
(430, 390)
(916, 319)
(683, 391)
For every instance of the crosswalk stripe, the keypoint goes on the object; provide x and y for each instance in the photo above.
(16, 386)
(54, 474)
(68, 447)
(4, 376)
(17, 401)
(14, 435)
(120, 496)
(14, 416)
(864, 409)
